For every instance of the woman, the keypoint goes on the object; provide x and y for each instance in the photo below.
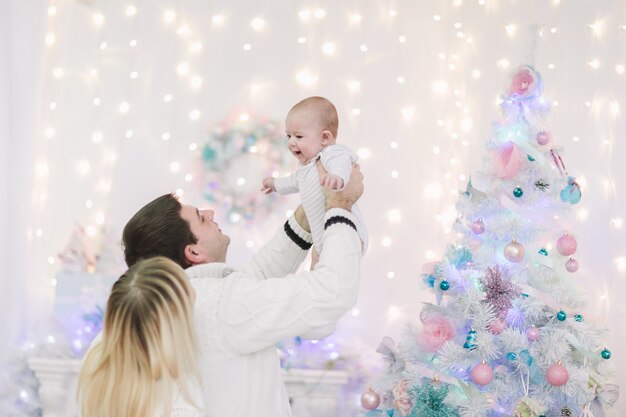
(145, 364)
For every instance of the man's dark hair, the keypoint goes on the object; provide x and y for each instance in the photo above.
(158, 230)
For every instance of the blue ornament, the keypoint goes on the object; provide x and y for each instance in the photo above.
(606, 354)
(561, 315)
(578, 318)
(429, 279)
(444, 285)
(511, 356)
(543, 252)
(428, 400)
(571, 193)
(518, 192)
(531, 159)
(208, 154)
(470, 340)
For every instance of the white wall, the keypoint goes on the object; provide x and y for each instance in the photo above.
(23, 29)
(395, 81)
(4, 172)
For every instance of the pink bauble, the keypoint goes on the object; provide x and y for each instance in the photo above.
(496, 326)
(482, 374)
(557, 375)
(543, 138)
(370, 400)
(478, 227)
(566, 245)
(571, 265)
(532, 334)
(514, 251)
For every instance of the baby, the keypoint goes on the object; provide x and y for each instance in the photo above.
(311, 128)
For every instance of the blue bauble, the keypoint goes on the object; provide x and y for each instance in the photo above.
(208, 154)
(578, 318)
(511, 356)
(561, 315)
(444, 285)
(543, 252)
(606, 354)
(518, 192)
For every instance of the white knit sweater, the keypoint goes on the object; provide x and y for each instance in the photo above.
(240, 315)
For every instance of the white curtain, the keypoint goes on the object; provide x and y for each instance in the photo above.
(22, 29)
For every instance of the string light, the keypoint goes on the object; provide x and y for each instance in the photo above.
(305, 78)
(394, 216)
(169, 16)
(354, 86)
(328, 48)
(218, 20)
(50, 39)
(131, 10)
(619, 69)
(301, 40)
(594, 63)
(98, 19)
(364, 153)
(194, 115)
(257, 24)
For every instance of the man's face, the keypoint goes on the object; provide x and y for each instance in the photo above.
(304, 136)
(212, 244)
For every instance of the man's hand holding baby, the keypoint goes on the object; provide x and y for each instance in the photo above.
(331, 181)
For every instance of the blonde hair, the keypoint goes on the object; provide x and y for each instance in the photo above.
(148, 347)
(324, 110)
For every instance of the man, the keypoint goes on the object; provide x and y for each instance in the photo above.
(241, 313)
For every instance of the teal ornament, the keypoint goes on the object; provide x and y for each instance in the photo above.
(470, 340)
(531, 159)
(561, 315)
(511, 356)
(606, 354)
(518, 192)
(571, 193)
(208, 154)
(543, 252)
(578, 318)
(444, 285)
(428, 400)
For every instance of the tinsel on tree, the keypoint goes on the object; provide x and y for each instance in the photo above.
(507, 335)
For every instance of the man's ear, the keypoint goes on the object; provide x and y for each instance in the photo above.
(192, 255)
(327, 137)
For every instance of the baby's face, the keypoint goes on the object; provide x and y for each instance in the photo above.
(304, 136)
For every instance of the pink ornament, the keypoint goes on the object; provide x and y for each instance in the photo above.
(557, 375)
(532, 334)
(482, 374)
(478, 227)
(566, 245)
(514, 251)
(571, 265)
(522, 82)
(496, 326)
(370, 400)
(543, 138)
(435, 332)
(508, 160)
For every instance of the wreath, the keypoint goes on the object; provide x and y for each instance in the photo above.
(236, 158)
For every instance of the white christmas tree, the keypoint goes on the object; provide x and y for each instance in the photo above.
(507, 335)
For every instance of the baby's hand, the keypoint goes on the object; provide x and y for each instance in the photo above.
(268, 185)
(331, 181)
